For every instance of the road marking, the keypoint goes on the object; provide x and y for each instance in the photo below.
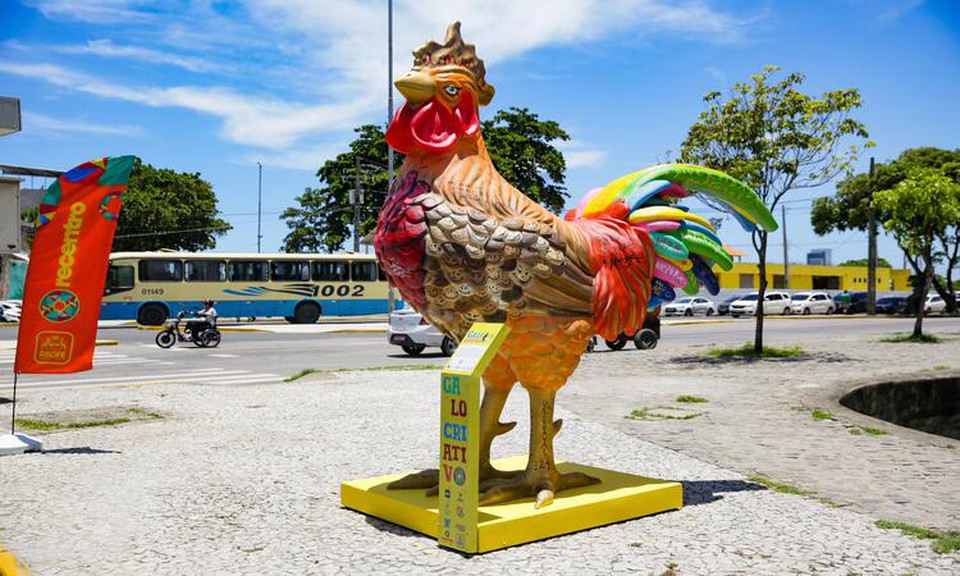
(154, 376)
(224, 355)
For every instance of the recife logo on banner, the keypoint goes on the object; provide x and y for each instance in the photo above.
(68, 267)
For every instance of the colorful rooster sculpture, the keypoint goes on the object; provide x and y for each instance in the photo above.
(462, 245)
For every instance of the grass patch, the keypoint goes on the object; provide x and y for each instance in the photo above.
(388, 368)
(818, 414)
(650, 414)
(47, 425)
(778, 487)
(868, 430)
(747, 351)
(692, 399)
(944, 541)
(138, 414)
(909, 337)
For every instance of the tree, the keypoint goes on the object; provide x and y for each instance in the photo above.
(520, 145)
(849, 208)
(776, 139)
(918, 210)
(167, 209)
(881, 263)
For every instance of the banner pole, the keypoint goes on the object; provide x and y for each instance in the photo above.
(13, 408)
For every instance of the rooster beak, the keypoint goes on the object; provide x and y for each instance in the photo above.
(417, 87)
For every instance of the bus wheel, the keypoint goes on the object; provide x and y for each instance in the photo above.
(152, 314)
(306, 313)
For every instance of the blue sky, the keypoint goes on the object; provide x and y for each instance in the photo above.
(214, 86)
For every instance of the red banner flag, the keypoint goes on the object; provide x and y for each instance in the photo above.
(68, 268)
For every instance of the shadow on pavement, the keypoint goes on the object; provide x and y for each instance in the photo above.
(824, 357)
(80, 450)
(696, 492)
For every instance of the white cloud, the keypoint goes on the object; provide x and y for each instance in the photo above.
(108, 49)
(59, 127)
(339, 46)
(578, 154)
(899, 9)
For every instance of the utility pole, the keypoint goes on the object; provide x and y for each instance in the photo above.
(259, 202)
(356, 199)
(786, 252)
(872, 249)
(389, 119)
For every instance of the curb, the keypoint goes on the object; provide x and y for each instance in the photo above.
(221, 329)
(106, 343)
(356, 331)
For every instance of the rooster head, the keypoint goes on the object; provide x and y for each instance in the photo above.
(443, 91)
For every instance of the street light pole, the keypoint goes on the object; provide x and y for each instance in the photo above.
(259, 202)
(389, 119)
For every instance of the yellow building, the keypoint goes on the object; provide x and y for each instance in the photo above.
(805, 277)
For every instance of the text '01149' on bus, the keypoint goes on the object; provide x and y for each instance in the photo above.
(150, 286)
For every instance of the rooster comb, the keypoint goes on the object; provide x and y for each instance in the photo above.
(455, 52)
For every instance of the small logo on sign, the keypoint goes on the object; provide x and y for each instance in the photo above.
(59, 305)
(459, 476)
(53, 348)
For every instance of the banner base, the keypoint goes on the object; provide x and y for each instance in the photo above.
(18, 444)
(617, 498)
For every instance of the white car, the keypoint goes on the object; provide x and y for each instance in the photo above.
(935, 304)
(690, 306)
(811, 303)
(411, 332)
(773, 303)
(9, 311)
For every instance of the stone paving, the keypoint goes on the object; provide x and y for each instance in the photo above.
(759, 420)
(245, 481)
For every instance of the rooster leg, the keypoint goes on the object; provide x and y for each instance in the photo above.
(541, 477)
(497, 386)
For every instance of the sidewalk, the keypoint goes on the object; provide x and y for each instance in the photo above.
(246, 480)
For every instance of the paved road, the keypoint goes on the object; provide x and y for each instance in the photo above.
(259, 357)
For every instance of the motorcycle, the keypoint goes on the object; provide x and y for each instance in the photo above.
(208, 337)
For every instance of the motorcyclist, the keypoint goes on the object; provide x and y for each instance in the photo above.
(208, 320)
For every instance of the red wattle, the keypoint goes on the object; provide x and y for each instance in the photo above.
(434, 127)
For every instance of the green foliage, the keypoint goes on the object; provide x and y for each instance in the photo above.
(881, 263)
(748, 351)
(919, 207)
(776, 138)
(944, 541)
(692, 399)
(868, 430)
(167, 209)
(779, 486)
(520, 144)
(905, 337)
(818, 414)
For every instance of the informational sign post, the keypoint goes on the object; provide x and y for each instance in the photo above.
(459, 436)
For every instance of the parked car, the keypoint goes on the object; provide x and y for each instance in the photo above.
(9, 311)
(773, 303)
(723, 308)
(690, 306)
(646, 338)
(811, 303)
(858, 303)
(935, 304)
(411, 332)
(891, 305)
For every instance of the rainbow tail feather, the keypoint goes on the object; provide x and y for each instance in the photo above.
(687, 246)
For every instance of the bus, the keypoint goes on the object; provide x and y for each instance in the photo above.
(149, 287)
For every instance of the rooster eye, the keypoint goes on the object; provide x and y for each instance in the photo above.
(451, 90)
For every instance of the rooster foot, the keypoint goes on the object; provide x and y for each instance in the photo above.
(540, 484)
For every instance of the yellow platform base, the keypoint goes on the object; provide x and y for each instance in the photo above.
(618, 497)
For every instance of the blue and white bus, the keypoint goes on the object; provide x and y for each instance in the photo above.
(150, 286)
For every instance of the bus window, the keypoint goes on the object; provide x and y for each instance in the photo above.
(381, 275)
(206, 271)
(119, 279)
(161, 271)
(248, 271)
(331, 271)
(363, 271)
(286, 271)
